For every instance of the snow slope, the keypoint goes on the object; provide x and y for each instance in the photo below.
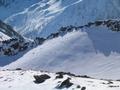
(92, 51)
(10, 7)
(3, 37)
(48, 16)
(24, 80)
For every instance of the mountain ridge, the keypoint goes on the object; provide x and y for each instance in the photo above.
(55, 14)
(94, 48)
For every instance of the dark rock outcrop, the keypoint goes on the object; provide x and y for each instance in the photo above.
(65, 84)
(59, 76)
(8, 30)
(83, 88)
(41, 78)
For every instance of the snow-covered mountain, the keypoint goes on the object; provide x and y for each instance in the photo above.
(10, 7)
(3, 37)
(48, 16)
(39, 80)
(93, 51)
(77, 36)
(7, 32)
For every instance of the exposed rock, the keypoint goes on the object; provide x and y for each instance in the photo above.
(41, 78)
(14, 46)
(98, 23)
(60, 75)
(70, 74)
(39, 41)
(113, 86)
(8, 30)
(65, 84)
(18, 69)
(83, 88)
(78, 86)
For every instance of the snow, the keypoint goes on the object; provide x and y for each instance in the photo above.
(14, 6)
(92, 51)
(24, 80)
(3, 37)
(47, 16)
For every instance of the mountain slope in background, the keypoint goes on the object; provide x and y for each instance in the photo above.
(10, 7)
(48, 16)
(3, 37)
(93, 51)
(76, 36)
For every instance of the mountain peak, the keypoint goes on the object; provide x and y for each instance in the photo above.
(44, 18)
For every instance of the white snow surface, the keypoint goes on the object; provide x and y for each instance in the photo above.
(24, 80)
(92, 51)
(3, 37)
(47, 16)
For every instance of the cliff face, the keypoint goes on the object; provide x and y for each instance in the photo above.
(8, 30)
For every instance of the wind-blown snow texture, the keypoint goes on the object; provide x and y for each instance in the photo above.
(92, 51)
(24, 80)
(48, 16)
(10, 7)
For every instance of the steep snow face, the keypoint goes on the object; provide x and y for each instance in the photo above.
(92, 51)
(9, 7)
(48, 16)
(3, 37)
(24, 80)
